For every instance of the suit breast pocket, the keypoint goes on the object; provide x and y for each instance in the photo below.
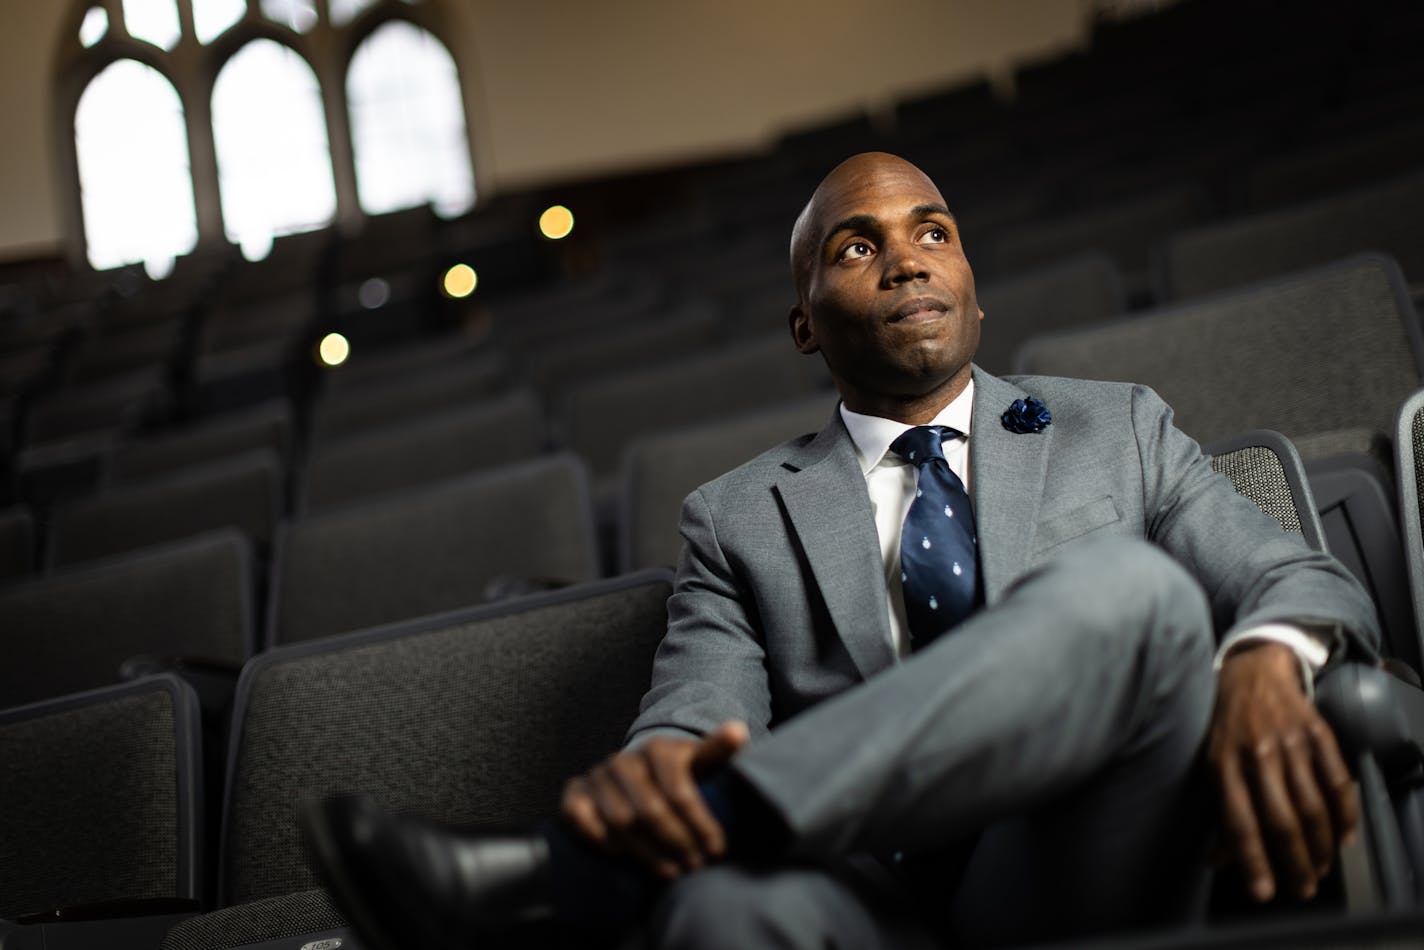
(1085, 519)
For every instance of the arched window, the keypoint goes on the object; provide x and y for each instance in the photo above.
(134, 182)
(263, 162)
(274, 164)
(408, 123)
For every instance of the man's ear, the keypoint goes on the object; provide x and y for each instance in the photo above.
(981, 314)
(801, 331)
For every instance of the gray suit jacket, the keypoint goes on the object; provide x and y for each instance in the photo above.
(781, 601)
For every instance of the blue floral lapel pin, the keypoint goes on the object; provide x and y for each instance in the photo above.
(1026, 415)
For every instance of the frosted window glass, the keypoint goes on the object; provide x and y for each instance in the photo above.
(300, 15)
(274, 161)
(134, 179)
(408, 123)
(344, 11)
(211, 18)
(155, 21)
(95, 25)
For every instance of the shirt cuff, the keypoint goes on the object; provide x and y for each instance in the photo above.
(1310, 650)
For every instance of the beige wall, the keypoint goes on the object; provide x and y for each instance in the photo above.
(564, 88)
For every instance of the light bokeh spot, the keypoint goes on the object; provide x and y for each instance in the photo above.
(556, 223)
(374, 294)
(460, 281)
(334, 349)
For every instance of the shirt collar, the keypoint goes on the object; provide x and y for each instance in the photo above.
(872, 435)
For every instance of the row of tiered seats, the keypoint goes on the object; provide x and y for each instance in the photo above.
(185, 481)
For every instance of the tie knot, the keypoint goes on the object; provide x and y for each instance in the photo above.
(922, 443)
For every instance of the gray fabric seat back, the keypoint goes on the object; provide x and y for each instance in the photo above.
(496, 432)
(267, 427)
(1324, 357)
(71, 631)
(1080, 290)
(244, 493)
(600, 417)
(660, 469)
(1387, 217)
(1125, 231)
(1265, 467)
(558, 364)
(460, 384)
(1409, 455)
(306, 916)
(431, 550)
(17, 543)
(110, 405)
(474, 717)
(99, 798)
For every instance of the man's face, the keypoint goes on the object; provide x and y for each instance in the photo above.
(886, 294)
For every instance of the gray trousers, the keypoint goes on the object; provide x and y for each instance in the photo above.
(1046, 751)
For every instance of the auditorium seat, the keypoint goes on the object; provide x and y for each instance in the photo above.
(1325, 356)
(73, 629)
(1409, 469)
(436, 548)
(459, 384)
(244, 492)
(600, 416)
(268, 318)
(110, 406)
(380, 366)
(269, 427)
(559, 364)
(1124, 231)
(495, 431)
(661, 468)
(1083, 289)
(100, 810)
(475, 716)
(17, 542)
(1387, 217)
(1329, 165)
(116, 352)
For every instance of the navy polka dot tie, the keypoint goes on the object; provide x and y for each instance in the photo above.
(938, 558)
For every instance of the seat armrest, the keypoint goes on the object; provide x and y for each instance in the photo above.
(1376, 712)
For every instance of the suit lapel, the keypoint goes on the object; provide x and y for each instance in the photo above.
(823, 490)
(1007, 471)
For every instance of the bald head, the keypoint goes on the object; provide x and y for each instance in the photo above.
(876, 170)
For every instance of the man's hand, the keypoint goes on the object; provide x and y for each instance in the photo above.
(1287, 800)
(644, 802)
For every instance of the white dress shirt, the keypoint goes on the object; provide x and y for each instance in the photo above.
(890, 482)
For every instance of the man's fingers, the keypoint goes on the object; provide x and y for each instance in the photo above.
(719, 745)
(1341, 795)
(673, 777)
(578, 808)
(1277, 818)
(657, 823)
(1238, 821)
(1316, 821)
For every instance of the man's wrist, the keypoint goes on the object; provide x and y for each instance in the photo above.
(1309, 650)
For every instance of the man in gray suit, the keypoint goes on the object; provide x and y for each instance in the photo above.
(814, 764)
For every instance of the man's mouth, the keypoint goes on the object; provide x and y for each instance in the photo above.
(918, 309)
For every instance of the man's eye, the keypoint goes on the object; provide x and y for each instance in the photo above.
(937, 235)
(858, 249)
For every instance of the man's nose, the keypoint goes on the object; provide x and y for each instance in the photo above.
(903, 265)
